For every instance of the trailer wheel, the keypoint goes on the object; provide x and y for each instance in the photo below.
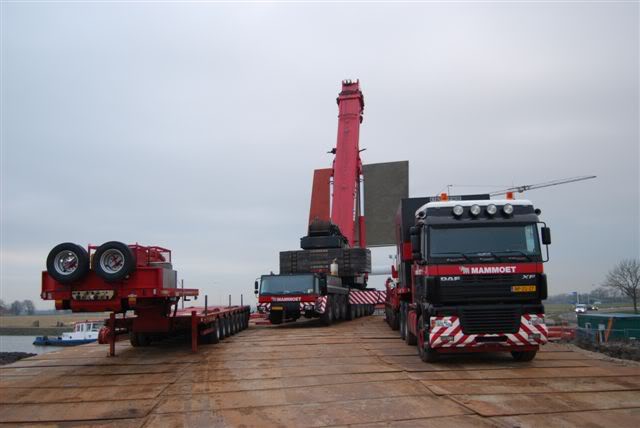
(402, 323)
(327, 316)
(221, 330)
(67, 263)
(523, 356)
(139, 339)
(113, 261)
(212, 337)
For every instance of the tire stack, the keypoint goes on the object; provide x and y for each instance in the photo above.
(69, 263)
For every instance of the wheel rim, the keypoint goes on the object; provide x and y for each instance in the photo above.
(112, 261)
(66, 262)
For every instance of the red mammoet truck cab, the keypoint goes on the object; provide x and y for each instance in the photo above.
(469, 276)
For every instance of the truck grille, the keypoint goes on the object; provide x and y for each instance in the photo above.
(484, 287)
(490, 320)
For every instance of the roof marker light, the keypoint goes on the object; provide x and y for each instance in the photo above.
(458, 210)
(444, 197)
(491, 209)
(508, 209)
(475, 210)
(509, 195)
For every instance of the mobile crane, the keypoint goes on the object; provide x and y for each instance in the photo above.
(328, 277)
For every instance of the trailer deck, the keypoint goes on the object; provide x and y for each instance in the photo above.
(352, 373)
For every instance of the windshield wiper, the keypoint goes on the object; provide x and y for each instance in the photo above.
(461, 255)
(521, 253)
(483, 254)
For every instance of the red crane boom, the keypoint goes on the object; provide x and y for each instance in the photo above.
(347, 166)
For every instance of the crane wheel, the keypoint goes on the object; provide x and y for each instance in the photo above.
(67, 263)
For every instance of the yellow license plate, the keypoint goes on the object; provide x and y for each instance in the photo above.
(523, 288)
(276, 308)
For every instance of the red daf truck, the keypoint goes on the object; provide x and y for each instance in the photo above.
(123, 279)
(327, 278)
(470, 276)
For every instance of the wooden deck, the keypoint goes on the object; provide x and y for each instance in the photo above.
(356, 373)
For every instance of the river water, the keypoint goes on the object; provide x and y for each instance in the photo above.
(24, 344)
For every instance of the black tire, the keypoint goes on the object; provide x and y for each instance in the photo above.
(67, 263)
(426, 352)
(523, 356)
(327, 316)
(139, 339)
(351, 314)
(401, 322)
(276, 317)
(212, 337)
(227, 326)
(395, 319)
(221, 330)
(113, 261)
(409, 338)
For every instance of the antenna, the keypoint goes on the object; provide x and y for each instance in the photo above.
(520, 189)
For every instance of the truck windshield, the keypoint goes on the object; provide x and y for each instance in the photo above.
(288, 284)
(492, 241)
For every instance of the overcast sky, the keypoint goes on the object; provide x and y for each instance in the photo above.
(198, 126)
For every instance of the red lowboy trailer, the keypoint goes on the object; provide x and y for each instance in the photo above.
(119, 278)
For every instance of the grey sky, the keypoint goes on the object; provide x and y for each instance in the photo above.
(197, 126)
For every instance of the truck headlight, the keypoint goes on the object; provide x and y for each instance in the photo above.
(474, 210)
(491, 209)
(458, 210)
(508, 209)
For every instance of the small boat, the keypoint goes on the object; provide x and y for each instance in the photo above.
(83, 332)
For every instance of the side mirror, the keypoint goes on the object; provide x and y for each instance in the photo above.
(256, 286)
(546, 235)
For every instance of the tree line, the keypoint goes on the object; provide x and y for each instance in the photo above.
(17, 307)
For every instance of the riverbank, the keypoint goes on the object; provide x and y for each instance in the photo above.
(12, 357)
(34, 331)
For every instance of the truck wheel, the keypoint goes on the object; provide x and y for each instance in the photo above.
(327, 316)
(523, 356)
(351, 312)
(410, 338)
(401, 323)
(426, 352)
(113, 261)
(67, 263)
(395, 320)
(139, 339)
(275, 317)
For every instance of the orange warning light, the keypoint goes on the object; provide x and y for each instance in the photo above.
(444, 197)
(509, 195)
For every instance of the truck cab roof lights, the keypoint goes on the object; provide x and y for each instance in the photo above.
(458, 210)
(508, 209)
(491, 209)
(475, 210)
(509, 195)
(444, 197)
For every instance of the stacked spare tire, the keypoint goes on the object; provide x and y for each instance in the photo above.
(112, 261)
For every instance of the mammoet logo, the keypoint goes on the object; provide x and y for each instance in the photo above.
(285, 299)
(486, 269)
